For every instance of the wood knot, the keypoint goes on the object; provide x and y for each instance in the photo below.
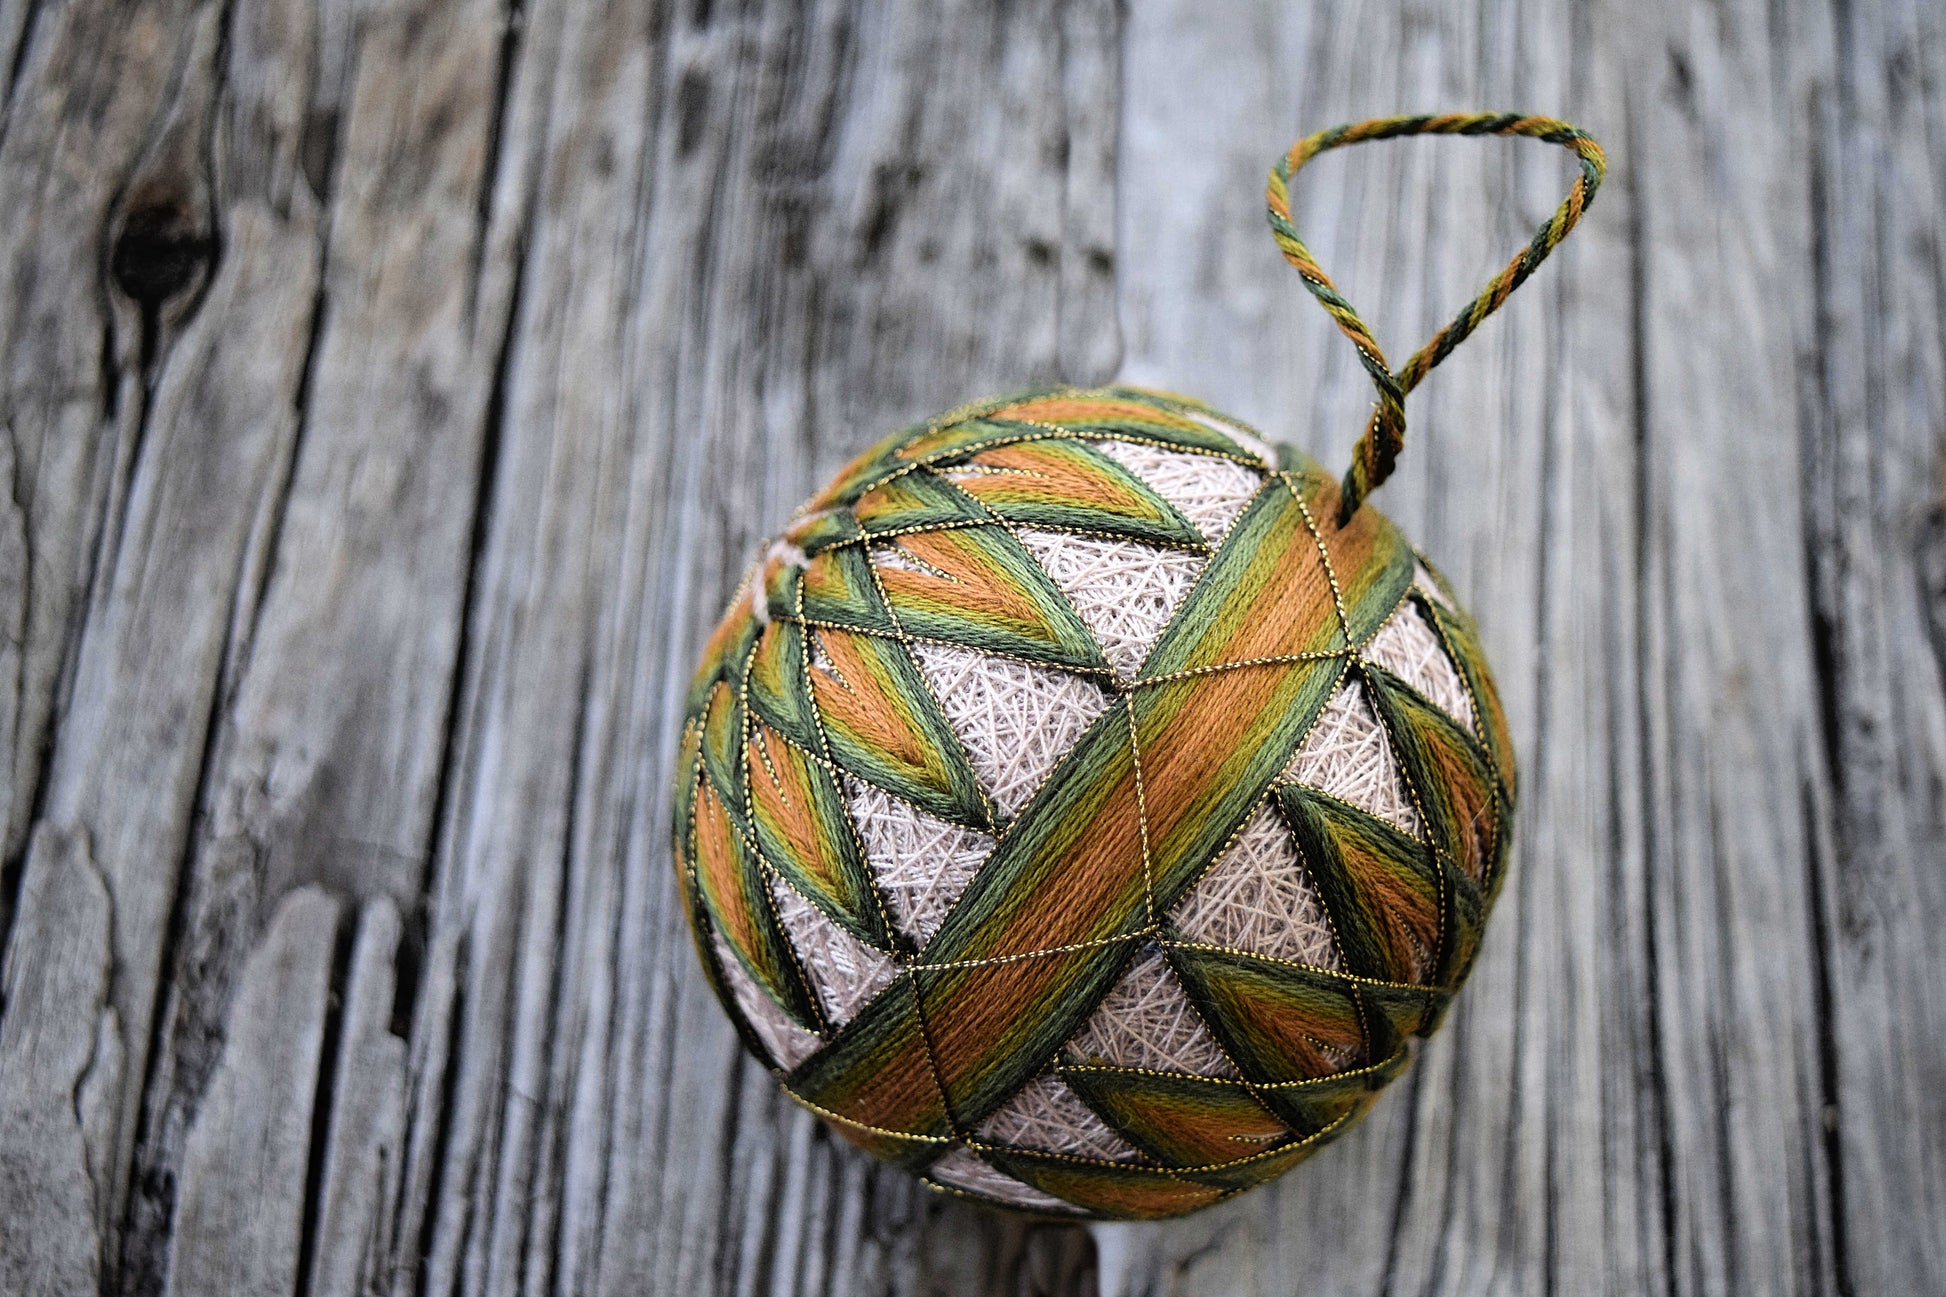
(163, 250)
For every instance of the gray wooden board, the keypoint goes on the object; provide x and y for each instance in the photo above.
(391, 392)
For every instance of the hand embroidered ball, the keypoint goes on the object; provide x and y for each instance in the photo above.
(1084, 803)
(1074, 814)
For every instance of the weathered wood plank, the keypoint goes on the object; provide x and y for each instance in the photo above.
(325, 763)
(392, 391)
(177, 460)
(240, 1204)
(356, 1169)
(56, 991)
(1872, 427)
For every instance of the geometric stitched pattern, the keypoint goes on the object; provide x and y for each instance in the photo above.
(920, 862)
(1081, 815)
(1209, 492)
(1046, 1114)
(845, 971)
(1147, 1021)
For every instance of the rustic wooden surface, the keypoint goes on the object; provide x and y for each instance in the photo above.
(391, 389)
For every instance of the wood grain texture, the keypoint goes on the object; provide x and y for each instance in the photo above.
(390, 393)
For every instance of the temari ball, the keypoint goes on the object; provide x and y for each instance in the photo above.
(1073, 812)
(1084, 803)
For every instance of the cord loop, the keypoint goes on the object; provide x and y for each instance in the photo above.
(1384, 436)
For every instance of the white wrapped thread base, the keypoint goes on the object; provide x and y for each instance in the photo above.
(1147, 1021)
(1348, 755)
(1257, 897)
(1014, 719)
(1209, 491)
(921, 862)
(1410, 649)
(787, 1043)
(843, 970)
(1124, 591)
(1045, 1114)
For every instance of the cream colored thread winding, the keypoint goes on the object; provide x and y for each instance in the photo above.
(1410, 649)
(845, 971)
(1015, 720)
(1146, 1020)
(1209, 491)
(1125, 592)
(922, 863)
(1349, 756)
(1045, 1114)
(1258, 898)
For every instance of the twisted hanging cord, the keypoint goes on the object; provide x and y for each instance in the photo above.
(1378, 448)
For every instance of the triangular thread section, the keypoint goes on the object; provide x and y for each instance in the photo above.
(844, 970)
(1124, 591)
(1015, 720)
(1045, 1114)
(798, 815)
(1348, 755)
(1258, 897)
(1146, 1020)
(1206, 489)
(914, 501)
(1066, 485)
(1283, 1021)
(1410, 649)
(976, 586)
(921, 862)
(882, 724)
